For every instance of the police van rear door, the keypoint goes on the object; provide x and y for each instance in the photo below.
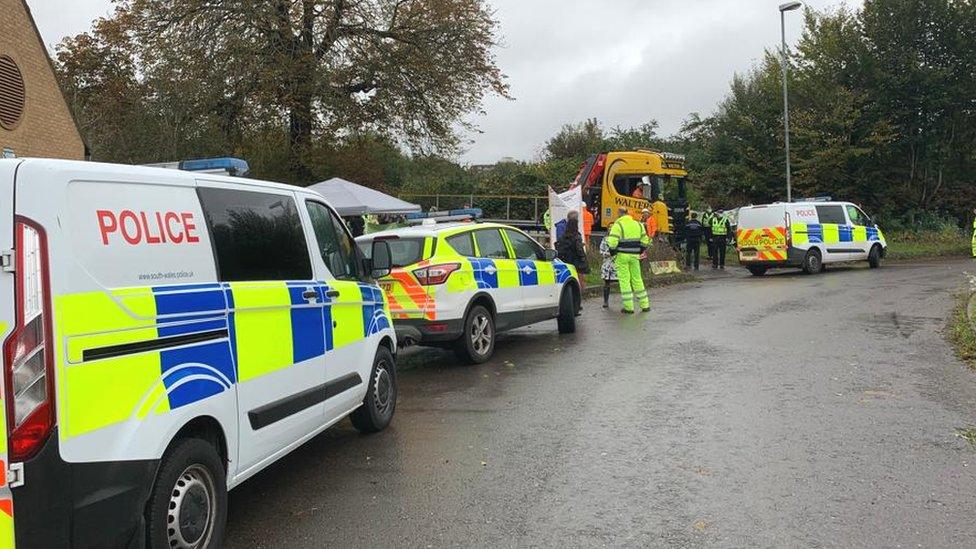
(761, 233)
(8, 169)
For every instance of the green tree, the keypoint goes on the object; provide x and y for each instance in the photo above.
(576, 141)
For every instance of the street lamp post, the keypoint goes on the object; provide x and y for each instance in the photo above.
(783, 8)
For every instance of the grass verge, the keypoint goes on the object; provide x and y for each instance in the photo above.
(906, 246)
(960, 331)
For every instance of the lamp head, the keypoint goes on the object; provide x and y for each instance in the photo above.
(790, 6)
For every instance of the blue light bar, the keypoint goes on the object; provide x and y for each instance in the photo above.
(233, 166)
(473, 213)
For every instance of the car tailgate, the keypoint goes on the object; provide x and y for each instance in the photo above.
(408, 298)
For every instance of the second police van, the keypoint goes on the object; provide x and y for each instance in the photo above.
(807, 235)
(166, 335)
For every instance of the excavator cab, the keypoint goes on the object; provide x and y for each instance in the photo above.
(631, 180)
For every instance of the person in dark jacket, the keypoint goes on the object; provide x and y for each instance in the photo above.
(694, 231)
(569, 247)
(356, 224)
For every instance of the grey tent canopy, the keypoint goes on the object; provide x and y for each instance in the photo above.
(349, 198)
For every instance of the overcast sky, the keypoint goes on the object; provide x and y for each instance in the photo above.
(622, 61)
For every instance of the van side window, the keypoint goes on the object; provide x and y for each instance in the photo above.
(256, 236)
(336, 246)
(490, 244)
(462, 244)
(831, 214)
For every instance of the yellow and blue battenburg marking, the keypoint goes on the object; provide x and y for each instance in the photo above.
(830, 233)
(375, 318)
(132, 352)
(488, 275)
(194, 373)
(563, 273)
(528, 273)
(485, 272)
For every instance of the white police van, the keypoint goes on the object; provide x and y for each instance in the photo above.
(807, 234)
(166, 335)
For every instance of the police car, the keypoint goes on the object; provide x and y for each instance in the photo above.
(166, 336)
(459, 284)
(807, 234)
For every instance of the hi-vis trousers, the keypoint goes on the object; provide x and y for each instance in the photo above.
(631, 283)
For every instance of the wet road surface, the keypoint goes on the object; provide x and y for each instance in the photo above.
(780, 411)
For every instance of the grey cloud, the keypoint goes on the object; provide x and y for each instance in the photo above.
(622, 61)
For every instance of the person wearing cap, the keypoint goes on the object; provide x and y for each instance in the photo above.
(650, 224)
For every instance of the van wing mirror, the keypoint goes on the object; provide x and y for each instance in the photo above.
(549, 254)
(380, 261)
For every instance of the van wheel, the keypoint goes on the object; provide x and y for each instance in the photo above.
(756, 271)
(812, 262)
(874, 258)
(477, 343)
(188, 505)
(567, 312)
(377, 410)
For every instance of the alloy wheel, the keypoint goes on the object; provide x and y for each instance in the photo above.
(481, 334)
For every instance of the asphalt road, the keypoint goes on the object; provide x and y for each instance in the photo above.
(784, 411)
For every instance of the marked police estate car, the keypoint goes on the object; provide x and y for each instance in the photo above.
(166, 336)
(459, 284)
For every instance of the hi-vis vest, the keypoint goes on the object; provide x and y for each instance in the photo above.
(707, 218)
(719, 226)
(627, 236)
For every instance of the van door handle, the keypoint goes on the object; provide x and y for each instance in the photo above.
(310, 295)
(332, 293)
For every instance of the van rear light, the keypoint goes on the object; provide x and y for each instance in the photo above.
(28, 358)
(433, 275)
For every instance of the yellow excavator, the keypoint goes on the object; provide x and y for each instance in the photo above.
(613, 180)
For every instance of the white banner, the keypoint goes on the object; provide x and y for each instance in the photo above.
(560, 204)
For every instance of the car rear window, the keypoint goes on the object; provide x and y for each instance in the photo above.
(403, 251)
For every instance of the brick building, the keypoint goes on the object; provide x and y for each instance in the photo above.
(34, 117)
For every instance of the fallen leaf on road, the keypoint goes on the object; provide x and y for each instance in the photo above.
(701, 526)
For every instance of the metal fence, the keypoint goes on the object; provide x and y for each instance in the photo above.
(506, 207)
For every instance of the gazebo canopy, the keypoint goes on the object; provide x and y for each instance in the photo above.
(348, 198)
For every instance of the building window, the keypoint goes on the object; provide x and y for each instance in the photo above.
(11, 93)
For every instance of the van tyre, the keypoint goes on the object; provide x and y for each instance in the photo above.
(813, 262)
(566, 320)
(874, 257)
(380, 402)
(756, 271)
(477, 342)
(188, 505)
